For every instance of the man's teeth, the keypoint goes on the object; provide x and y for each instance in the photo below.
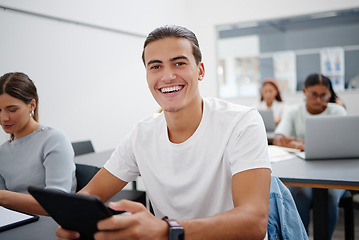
(171, 89)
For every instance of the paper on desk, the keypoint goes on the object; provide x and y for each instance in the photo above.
(8, 216)
(277, 154)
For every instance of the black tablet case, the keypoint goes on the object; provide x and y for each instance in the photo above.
(72, 211)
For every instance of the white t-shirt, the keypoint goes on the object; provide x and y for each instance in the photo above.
(193, 179)
(277, 107)
(293, 121)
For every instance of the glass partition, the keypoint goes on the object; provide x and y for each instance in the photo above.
(288, 49)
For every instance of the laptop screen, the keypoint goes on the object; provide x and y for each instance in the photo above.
(268, 119)
(332, 137)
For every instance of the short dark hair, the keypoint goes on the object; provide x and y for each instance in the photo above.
(20, 86)
(175, 32)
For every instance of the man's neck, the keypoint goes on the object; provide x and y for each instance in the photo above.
(182, 124)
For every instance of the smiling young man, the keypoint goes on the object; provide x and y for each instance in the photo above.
(204, 161)
(173, 81)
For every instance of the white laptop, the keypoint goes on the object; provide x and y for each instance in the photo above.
(331, 137)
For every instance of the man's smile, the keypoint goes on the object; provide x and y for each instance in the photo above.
(171, 89)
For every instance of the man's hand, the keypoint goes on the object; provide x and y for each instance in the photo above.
(139, 224)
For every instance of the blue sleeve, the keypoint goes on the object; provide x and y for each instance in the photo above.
(59, 162)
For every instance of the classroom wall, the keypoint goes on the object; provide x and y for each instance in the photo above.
(233, 11)
(92, 83)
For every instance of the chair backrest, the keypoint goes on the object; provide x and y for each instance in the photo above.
(84, 173)
(82, 147)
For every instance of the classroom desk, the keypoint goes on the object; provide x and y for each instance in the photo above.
(321, 175)
(44, 228)
(97, 159)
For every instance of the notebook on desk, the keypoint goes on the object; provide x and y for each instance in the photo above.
(331, 137)
(11, 219)
(268, 119)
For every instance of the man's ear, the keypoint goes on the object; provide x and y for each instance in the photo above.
(201, 71)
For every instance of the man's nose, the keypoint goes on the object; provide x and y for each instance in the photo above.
(168, 75)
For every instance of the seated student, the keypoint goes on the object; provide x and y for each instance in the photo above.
(271, 99)
(290, 133)
(204, 161)
(35, 154)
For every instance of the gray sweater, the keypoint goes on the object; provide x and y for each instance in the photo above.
(44, 158)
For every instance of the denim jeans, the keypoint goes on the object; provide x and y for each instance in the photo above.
(284, 221)
(303, 200)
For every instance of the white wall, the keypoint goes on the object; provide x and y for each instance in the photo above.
(92, 83)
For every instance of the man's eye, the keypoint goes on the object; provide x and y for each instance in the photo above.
(12, 110)
(155, 67)
(180, 63)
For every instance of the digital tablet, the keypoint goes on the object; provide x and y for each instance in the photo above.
(72, 211)
(11, 218)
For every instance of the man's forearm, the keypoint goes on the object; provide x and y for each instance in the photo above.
(243, 222)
